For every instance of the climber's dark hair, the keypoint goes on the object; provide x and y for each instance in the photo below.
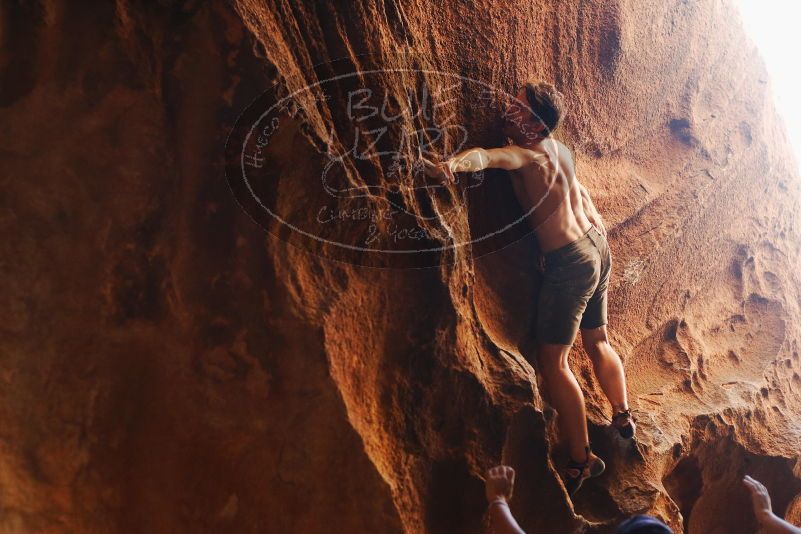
(547, 104)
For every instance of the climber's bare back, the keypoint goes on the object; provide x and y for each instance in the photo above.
(547, 186)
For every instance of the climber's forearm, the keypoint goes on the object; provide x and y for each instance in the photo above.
(471, 160)
(586, 200)
(585, 195)
(503, 522)
(590, 210)
(773, 524)
(477, 159)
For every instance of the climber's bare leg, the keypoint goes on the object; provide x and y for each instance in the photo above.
(607, 366)
(565, 397)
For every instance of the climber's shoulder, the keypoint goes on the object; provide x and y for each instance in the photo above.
(559, 147)
(558, 152)
(525, 154)
(548, 146)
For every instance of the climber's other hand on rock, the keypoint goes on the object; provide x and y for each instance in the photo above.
(441, 170)
(598, 223)
(431, 169)
(769, 523)
(500, 483)
(760, 499)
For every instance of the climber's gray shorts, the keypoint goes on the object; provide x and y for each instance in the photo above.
(573, 291)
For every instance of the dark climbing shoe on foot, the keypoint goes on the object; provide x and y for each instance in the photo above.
(624, 423)
(577, 472)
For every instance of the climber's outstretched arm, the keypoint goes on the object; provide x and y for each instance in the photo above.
(760, 499)
(477, 159)
(498, 486)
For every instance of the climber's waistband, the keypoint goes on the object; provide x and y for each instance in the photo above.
(574, 246)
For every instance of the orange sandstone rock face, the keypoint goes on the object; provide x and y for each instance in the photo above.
(169, 366)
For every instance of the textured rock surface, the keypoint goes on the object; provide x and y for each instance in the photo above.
(166, 366)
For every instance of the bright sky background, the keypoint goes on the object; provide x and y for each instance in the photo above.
(774, 27)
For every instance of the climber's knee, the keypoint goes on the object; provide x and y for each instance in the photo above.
(595, 340)
(553, 358)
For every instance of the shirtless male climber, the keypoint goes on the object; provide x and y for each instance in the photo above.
(577, 264)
